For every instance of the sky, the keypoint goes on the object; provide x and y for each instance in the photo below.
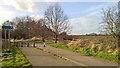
(84, 15)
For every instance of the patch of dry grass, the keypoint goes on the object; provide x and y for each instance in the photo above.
(98, 43)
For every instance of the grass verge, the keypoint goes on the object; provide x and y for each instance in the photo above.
(88, 51)
(14, 58)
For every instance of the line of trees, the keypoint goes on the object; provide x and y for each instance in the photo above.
(53, 24)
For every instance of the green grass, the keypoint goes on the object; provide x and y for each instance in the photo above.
(14, 58)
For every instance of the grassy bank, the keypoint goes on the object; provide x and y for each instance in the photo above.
(14, 58)
(86, 51)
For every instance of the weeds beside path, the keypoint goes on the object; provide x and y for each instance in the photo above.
(14, 59)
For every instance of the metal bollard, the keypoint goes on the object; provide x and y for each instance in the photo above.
(22, 44)
(33, 44)
(25, 44)
(28, 44)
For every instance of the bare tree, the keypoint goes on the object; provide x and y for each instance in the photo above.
(26, 27)
(119, 23)
(111, 23)
(22, 25)
(56, 20)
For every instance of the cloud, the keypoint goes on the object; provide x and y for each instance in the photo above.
(85, 24)
(28, 5)
(52, 0)
(97, 9)
(90, 22)
(4, 15)
(12, 8)
(76, 0)
(36, 17)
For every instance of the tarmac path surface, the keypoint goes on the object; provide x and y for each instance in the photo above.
(51, 56)
(78, 58)
(40, 58)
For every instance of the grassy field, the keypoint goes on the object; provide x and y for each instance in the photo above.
(14, 58)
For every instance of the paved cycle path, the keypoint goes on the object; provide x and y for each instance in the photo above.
(40, 58)
(77, 58)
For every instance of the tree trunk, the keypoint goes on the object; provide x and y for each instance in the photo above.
(56, 36)
(42, 35)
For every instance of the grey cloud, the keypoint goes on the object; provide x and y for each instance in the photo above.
(27, 5)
